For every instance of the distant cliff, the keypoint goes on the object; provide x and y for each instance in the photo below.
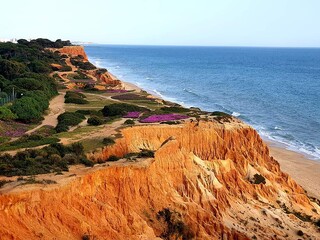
(206, 181)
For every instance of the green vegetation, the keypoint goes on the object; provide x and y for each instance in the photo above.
(27, 141)
(257, 179)
(78, 62)
(6, 114)
(175, 228)
(119, 109)
(75, 97)
(221, 116)
(24, 69)
(3, 182)
(53, 158)
(68, 119)
(95, 121)
(129, 122)
(145, 153)
(78, 75)
(113, 158)
(132, 96)
(108, 141)
(65, 68)
(174, 109)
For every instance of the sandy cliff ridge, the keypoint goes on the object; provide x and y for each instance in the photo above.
(203, 175)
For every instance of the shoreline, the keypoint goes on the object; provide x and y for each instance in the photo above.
(305, 171)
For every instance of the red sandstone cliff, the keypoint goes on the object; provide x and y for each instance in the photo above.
(73, 51)
(200, 170)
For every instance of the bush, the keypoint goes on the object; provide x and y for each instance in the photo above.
(27, 109)
(81, 64)
(87, 162)
(174, 109)
(145, 153)
(129, 121)
(300, 233)
(108, 141)
(39, 67)
(175, 227)
(53, 158)
(113, 158)
(11, 69)
(65, 69)
(6, 114)
(74, 97)
(68, 119)
(257, 179)
(119, 109)
(95, 121)
(76, 100)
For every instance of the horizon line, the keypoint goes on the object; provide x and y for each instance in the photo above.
(175, 45)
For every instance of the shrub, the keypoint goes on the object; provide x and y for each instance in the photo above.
(175, 227)
(119, 109)
(145, 153)
(65, 68)
(81, 64)
(95, 121)
(113, 158)
(129, 121)
(11, 69)
(39, 67)
(87, 162)
(76, 100)
(257, 179)
(27, 109)
(74, 97)
(101, 71)
(174, 109)
(6, 114)
(300, 233)
(108, 141)
(67, 119)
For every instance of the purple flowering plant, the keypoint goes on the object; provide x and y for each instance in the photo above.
(163, 117)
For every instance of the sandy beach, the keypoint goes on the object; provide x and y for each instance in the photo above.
(304, 171)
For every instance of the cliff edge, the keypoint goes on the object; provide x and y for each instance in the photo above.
(206, 180)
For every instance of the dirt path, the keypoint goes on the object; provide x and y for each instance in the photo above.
(56, 107)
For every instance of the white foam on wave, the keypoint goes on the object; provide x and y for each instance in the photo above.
(235, 114)
(299, 147)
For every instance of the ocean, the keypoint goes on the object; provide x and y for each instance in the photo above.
(275, 90)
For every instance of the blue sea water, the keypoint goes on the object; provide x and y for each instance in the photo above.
(276, 90)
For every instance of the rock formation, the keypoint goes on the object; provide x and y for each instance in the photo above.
(204, 176)
(73, 51)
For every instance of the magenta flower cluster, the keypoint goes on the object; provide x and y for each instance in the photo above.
(15, 133)
(132, 115)
(163, 117)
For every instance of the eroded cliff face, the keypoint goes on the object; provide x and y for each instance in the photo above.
(203, 171)
(73, 51)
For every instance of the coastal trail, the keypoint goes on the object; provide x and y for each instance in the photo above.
(56, 107)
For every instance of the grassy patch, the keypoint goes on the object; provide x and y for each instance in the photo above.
(28, 142)
(92, 144)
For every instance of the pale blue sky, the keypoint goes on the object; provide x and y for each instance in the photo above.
(284, 23)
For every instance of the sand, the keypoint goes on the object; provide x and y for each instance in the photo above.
(304, 171)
